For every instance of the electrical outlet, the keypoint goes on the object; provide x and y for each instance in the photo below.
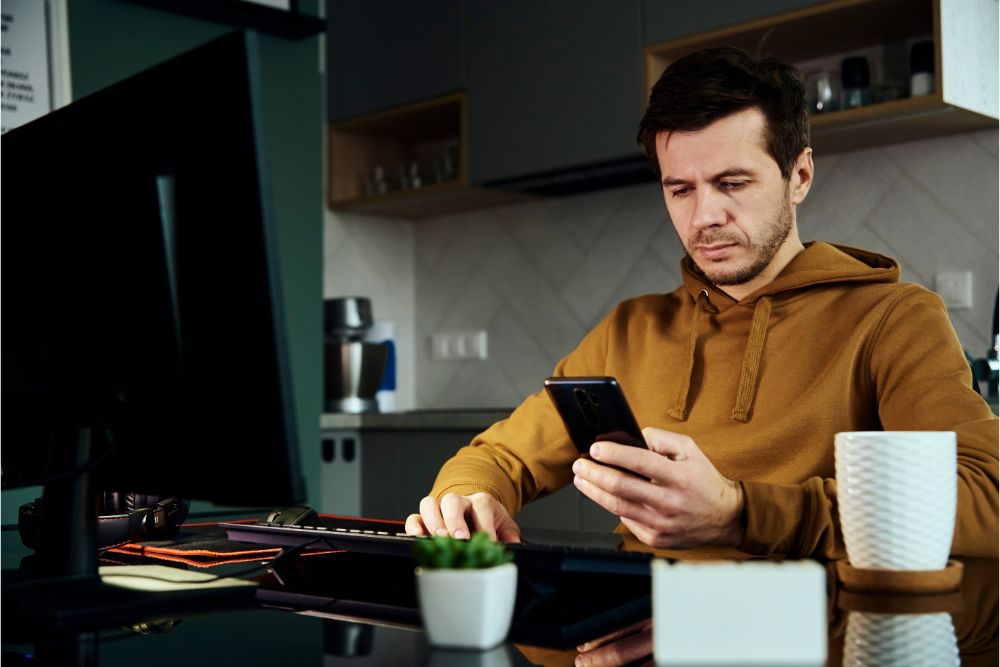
(955, 288)
(459, 346)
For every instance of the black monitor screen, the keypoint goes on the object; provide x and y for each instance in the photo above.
(141, 294)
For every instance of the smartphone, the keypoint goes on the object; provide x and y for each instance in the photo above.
(594, 408)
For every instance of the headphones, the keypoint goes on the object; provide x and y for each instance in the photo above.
(124, 517)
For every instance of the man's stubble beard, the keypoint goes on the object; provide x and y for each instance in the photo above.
(761, 253)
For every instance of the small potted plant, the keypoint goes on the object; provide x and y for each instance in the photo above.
(466, 590)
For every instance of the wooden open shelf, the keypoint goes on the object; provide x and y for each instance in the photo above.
(421, 132)
(891, 122)
(393, 140)
(433, 200)
(842, 26)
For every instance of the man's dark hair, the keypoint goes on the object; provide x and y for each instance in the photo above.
(700, 88)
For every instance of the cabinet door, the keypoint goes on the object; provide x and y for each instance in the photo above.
(386, 53)
(668, 19)
(551, 85)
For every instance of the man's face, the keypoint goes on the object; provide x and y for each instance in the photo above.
(727, 199)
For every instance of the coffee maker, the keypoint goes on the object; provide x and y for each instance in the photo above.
(352, 367)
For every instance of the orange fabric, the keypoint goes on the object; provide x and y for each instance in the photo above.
(212, 562)
(847, 348)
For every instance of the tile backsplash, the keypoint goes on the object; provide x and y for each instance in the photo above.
(537, 276)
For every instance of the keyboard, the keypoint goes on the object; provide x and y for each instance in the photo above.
(387, 538)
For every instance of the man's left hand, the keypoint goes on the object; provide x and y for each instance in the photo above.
(629, 646)
(684, 503)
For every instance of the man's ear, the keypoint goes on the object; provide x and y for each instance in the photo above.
(802, 177)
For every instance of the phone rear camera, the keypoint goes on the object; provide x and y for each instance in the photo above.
(587, 403)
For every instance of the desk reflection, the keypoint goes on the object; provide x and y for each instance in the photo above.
(903, 627)
(351, 610)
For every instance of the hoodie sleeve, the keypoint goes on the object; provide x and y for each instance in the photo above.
(529, 454)
(923, 383)
(920, 381)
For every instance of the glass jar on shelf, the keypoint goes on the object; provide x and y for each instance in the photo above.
(856, 79)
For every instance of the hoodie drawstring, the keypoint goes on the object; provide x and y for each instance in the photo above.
(679, 411)
(751, 360)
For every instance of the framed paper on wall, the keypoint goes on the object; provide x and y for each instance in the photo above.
(35, 54)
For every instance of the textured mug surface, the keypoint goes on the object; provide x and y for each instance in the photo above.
(896, 497)
(900, 640)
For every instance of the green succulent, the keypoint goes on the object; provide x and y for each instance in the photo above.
(444, 552)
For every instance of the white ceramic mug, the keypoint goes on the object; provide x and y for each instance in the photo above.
(896, 496)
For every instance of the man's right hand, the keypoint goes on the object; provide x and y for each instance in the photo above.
(460, 516)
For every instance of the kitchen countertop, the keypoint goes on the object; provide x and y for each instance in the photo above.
(457, 419)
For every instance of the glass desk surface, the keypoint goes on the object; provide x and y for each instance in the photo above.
(360, 610)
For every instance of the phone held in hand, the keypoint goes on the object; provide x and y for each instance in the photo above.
(594, 409)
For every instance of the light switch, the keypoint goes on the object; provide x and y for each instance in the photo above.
(955, 288)
(459, 346)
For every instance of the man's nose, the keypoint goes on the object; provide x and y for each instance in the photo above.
(709, 208)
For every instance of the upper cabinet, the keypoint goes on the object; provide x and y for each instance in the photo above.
(665, 20)
(391, 52)
(957, 92)
(552, 85)
(443, 105)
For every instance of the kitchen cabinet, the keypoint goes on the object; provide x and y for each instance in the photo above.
(551, 85)
(550, 94)
(380, 466)
(392, 52)
(664, 20)
(818, 36)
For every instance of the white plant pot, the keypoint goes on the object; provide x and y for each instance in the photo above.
(467, 608)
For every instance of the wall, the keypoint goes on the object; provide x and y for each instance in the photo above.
(112, 40)
(537, 276)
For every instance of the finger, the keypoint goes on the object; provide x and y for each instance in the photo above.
(453, 508)
(643, 462)
(624, 485)
(509, 532)
(655, 538)
(621, 507)
(483, 519)
(415, 525)
(430, 512)
(507, 528)
(617, 634)
(675, 446)
(621, 652)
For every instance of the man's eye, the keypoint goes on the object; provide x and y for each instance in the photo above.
(733, 185)
(680, 192)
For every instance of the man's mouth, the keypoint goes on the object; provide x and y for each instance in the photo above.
(716, 251)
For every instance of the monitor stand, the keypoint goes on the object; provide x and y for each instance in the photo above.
(67, 546)
(57, 601)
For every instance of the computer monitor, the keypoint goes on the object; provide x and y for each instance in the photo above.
(144, 343)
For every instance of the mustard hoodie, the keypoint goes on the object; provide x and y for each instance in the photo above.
(834, 343)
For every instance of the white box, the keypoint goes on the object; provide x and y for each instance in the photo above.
(731, 613)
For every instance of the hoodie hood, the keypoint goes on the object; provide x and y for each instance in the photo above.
(820, 264)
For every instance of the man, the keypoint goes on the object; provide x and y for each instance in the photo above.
(743, 375)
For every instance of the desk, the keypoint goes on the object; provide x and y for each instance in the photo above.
(318, 634)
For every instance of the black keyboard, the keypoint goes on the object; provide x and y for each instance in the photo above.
(386, 538)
